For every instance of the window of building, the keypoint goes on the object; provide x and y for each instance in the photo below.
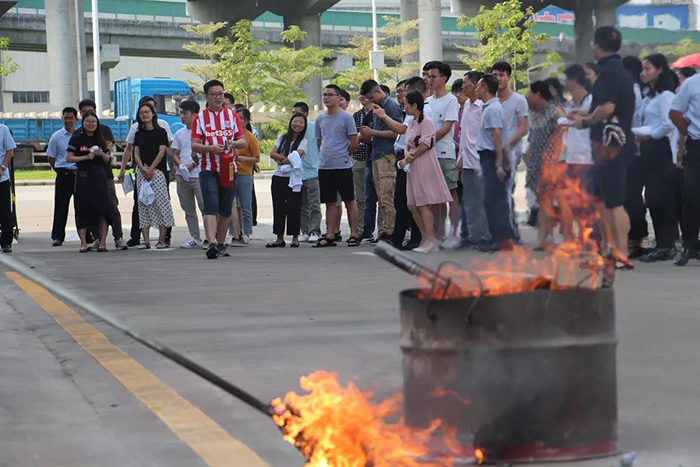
(30, 97)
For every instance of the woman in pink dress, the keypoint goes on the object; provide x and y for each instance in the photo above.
(425, 186)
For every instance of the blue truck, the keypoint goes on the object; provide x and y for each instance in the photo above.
(167, 92)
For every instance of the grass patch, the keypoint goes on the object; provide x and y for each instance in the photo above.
(47, 174)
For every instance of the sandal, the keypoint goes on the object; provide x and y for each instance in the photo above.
(145, 246)
(276, 245)
(101, 250)
(294, 245)
(324, 242)
(622, 265)
(83, 249)
(161, 246)
(353, 241)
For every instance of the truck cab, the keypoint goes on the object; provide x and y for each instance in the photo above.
(167, 92)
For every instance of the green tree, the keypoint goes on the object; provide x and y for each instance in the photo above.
(389, 38)
(249, 70)
(685, 46)
(7, 65)
(505, 32)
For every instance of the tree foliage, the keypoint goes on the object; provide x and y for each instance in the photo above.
(389, 38)
(250, 70)
(685, 46)
(505, 32)
(7, 65)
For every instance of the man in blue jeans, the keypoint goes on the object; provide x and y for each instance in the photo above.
(217, 130)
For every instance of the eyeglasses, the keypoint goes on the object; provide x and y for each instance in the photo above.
(216, 94)
(433, 77)
(325, 94)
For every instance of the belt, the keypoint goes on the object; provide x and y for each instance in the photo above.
(62, 170)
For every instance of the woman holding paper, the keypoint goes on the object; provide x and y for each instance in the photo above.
(286, 202)
(656, 148)
(150, 144)
(425, 184)
(88, 149)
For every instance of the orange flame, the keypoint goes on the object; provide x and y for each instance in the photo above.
(479, 454)
(576, 263)
(339, 426)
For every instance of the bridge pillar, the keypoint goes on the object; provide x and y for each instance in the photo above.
(409, 12)
(430, 30)
(311, 24)
(78, 49)
(62, 63)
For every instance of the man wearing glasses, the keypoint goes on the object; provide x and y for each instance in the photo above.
(336, 134)
(215, 131)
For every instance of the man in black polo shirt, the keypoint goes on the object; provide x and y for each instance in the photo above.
(610, 121)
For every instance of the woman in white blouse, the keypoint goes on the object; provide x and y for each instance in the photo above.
(656, 147)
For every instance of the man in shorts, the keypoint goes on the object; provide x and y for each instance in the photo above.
(337, 139)
(216, 130)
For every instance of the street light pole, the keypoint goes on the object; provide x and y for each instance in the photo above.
(97, 60)
(375, 46)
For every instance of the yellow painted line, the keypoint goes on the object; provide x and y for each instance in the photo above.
(203, 435)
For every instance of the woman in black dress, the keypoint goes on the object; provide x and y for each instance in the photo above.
(88, 149)
(150, 144)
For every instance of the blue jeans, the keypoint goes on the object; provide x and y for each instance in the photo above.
(218, 200)
(244, 195)
(370, 204)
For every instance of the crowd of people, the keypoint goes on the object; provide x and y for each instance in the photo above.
(434, 168)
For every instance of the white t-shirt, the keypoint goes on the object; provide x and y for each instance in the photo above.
(303, 146)
(182, 141)
(135, 127)
(577, 143)
(445, 109)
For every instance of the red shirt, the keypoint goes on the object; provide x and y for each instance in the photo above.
(211, 128)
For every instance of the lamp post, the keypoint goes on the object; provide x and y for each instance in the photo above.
(376, 58)
(97, 60)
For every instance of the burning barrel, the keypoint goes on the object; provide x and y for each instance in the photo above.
(524, 377)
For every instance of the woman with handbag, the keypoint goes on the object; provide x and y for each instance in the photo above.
(150, 144)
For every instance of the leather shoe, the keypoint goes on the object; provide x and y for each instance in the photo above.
(57, 242)
(658, 255)
(684, 256)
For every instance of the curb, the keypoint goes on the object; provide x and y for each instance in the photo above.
(267, 175)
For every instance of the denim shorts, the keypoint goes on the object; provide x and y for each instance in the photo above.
(217, 199)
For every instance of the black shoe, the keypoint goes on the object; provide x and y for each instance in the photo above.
(483, 247)
(638, 252)
(684, 256)
(57, 242)
(409, 246)
(658, 255)
(212, 251)
(7, 248)
(221, 250)
(132, 243)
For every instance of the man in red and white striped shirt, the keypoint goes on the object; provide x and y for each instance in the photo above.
(215, 131)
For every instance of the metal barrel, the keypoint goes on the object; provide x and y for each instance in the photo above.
(524, 377)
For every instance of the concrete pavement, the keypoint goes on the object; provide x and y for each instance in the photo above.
(262, 319)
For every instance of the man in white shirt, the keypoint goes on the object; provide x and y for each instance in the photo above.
(470, 164)
(517, 114)
(126, 158)
(445, 109)
(685, 115)
(187, 174)
(65, 174)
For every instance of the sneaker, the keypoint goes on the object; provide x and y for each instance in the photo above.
(205, 245)
(120, 245)
(234, 242)
(221, 251)
(245, 239)
(94, 246)
(7, 248)
(57, 242)
(451, 243)
(304, 238)
(212, 252)
(191, 243)
(313, 238)
(132, 243)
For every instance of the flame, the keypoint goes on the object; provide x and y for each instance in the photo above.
(440, 393)
(575, 263)
(339, 426)
(479, 454)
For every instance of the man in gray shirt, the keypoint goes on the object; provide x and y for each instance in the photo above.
(495, 164)
(383, 156)
(337, 139)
